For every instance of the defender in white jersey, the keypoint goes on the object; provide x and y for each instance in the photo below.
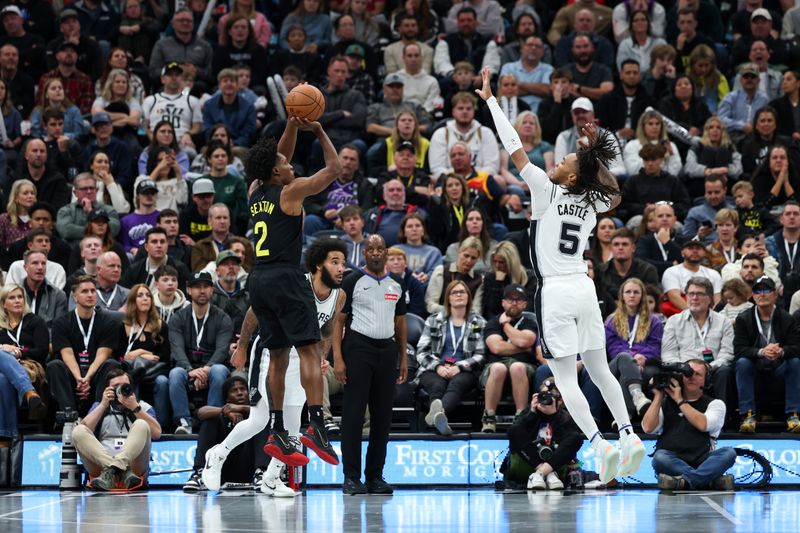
(326, 259)
(565, 207)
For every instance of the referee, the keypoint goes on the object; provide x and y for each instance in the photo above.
(369, 335)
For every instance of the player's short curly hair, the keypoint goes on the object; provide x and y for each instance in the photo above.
(261, 159)
(319, 250)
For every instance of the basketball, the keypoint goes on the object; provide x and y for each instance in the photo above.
(305, 101)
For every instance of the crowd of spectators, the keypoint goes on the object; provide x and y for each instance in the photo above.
(125, 224)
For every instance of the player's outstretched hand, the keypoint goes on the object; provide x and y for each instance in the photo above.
(306, 124)
(589, 131)
(486, 91)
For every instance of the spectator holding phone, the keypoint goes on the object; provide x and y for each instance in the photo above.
(700, 220)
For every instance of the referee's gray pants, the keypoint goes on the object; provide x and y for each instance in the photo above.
(371, 375)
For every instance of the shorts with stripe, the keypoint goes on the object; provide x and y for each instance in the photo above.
(293, 394)
(569, 316)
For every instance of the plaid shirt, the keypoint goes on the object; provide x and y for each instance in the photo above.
(363, 83)
(78, 88)
(431, 344)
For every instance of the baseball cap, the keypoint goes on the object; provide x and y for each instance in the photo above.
(405, 145)
(172, 65)
(582, 103)
(355, 50)
(67, 13)
(146, 185)
(66, 44)
(97, 214)
(100, 118)
(203, 186)
(515, 291)
(749, 68)
(692, 242)
(764, 282)
(225, 255)
(761, 12)
(394, 79)
(200, 277)
(10, 9)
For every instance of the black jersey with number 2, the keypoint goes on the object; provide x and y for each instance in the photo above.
(278, 236)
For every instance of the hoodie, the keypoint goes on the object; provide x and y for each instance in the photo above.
(166, 311)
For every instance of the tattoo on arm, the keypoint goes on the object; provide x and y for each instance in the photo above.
(249, 325)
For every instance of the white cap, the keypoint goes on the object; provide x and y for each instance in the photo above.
(582, 103)
(761, 12)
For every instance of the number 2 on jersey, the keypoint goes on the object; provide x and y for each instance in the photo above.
(569, 239)
(261, 226)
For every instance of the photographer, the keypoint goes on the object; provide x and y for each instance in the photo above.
(544, 437)
(113, 439)
(688, 423)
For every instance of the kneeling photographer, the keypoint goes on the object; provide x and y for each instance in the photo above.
(113, 439)
(688, 423)
(542, 441)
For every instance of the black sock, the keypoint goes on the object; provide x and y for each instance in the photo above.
(315, 414)
(277, 420)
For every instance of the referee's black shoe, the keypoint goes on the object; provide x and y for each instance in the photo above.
(379, 486)
(281, 448)
(353, 486)
(316, 438)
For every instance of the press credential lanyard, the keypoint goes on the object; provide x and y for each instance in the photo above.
(702, 332)
(632, 333)
(110, 298)
(457, 343)
(132, 338)
(86, 336)
(15, 339)
(761, 329)
(199, 332)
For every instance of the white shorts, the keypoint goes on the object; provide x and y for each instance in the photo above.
(569, 316)
(293, 394)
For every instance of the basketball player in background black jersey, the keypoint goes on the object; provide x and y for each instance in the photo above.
(280, 294)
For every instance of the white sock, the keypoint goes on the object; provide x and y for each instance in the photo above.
(273, 470)
(634, 388)
(247, 428)
(597, 365)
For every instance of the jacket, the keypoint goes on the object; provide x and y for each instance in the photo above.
(340, 129)
(240, 119)
(642, 189)
(480, 139)
(197, 52)
(650, 347)
(71, 221)
(704, 212)
(137, 273)
(612, 109)
(165, 312)
(51, 188)
(737, 109)
(681, 341)
(439, 280)
(747, 340)
(786, 123)
(51, 302)
(214, 344)
(431, 344)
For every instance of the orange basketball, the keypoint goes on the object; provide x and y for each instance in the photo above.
(305, 101)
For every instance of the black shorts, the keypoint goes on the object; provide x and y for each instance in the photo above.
(284, 304)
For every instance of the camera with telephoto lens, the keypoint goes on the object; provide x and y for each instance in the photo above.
(670, 371)
(124, 390)
(547, 397)
(543, 450)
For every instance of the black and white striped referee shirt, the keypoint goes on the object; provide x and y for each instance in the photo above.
(372, 303)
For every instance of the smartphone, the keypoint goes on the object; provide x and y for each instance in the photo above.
(706, 223)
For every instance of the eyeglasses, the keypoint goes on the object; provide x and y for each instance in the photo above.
(762, 291)
(696, 294)
(458, 293)
(86, 189)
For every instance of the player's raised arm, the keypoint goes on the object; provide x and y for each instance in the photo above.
(301, 188)
(288, 140)
(508, 135)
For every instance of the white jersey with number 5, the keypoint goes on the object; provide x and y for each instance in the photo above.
(560, 226)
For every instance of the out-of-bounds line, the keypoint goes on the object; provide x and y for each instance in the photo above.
(721, 510)
(48, 504)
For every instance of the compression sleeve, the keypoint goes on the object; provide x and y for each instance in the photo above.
(508, 135)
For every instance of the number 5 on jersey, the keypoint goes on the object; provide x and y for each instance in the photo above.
(261, 226)
(569, 239)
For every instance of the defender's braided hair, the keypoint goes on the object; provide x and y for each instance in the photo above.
(591, 160)
(260, 160)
